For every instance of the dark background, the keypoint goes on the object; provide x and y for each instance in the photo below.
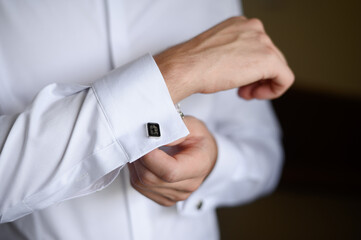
(319, 195)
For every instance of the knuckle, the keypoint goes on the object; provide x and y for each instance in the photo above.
(291, 78)
(134, 180)
(292, 75)
(236, 19)
(182, 197)
(135, 183)
(269, 53)
(235, 23)
(256, 23)
(192, 187)
(263, 38)
(148, 179)
(147, 182)
(171, 176)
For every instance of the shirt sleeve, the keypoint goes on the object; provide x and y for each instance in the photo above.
(249, 159)
(73, 140)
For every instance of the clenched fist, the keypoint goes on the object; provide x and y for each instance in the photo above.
(171, 175)
(236, 53)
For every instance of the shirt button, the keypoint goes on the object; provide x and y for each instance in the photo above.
(199, 205)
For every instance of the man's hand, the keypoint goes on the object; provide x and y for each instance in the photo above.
(235, 53)
(172, 175)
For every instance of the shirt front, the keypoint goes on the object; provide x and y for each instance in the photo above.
(69, 123)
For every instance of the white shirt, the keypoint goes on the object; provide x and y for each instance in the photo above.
(69, 125)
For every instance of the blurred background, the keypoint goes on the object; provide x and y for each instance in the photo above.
(320, 189)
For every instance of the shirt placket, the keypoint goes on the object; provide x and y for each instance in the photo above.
(120, 53)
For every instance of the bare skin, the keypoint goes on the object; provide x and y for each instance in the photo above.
(236, 53)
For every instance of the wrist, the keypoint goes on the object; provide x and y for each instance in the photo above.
(177, 74)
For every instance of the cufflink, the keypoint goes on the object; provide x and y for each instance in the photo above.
(153, 130)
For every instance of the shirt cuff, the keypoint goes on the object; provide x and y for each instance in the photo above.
(130, 97)
(228, 167)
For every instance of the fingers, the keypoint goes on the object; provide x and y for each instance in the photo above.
(275, 75)
(149, 180)
(147, 193)
(267, 89)
(276, 78)
(182, 166)
(162, 165)
(279, 81)
(194, 125)
(172, 173)
(165, 194)
(176, 142)
(245, 92)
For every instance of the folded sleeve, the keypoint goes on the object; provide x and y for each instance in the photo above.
(249, 159)
(73, 139)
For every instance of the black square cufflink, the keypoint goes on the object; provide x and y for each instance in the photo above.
(153, 130)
